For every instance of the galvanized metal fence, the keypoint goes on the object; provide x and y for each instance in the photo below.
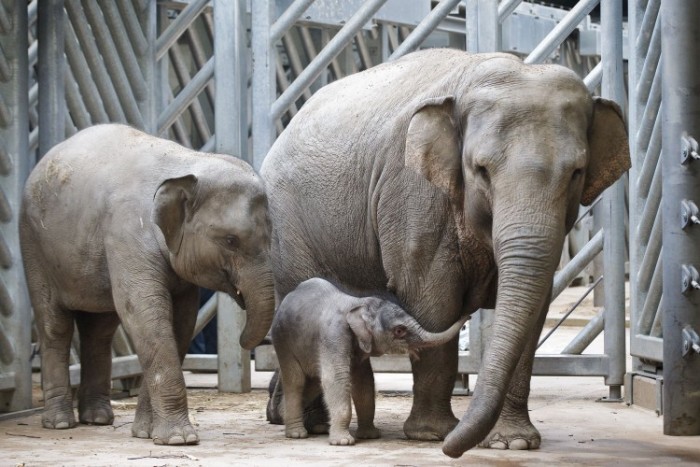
(182, 70)
(484, 24)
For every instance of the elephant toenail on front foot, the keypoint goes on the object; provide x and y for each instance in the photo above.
(176, 440)
(498, 445)
(519, 444)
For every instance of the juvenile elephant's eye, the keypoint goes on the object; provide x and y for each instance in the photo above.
(400, 332)
(482, 173)
(232, 241)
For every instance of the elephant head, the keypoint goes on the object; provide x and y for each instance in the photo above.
(217, 232)
(516, 153)
(382, 326)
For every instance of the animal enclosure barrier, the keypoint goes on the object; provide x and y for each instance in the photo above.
(185, 70)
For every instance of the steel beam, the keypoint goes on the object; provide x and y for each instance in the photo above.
(680, 44)
(52, 101)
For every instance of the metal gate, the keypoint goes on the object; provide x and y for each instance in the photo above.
(194, 62)
(483, 25)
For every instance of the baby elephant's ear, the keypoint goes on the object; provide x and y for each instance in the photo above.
(359, 323)
(172, 207)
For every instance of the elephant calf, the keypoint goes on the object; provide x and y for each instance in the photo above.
(117, 225)
(320, 332)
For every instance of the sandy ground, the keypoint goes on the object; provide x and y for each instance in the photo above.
(576, 430)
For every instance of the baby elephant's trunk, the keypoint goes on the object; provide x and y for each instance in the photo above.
(419, 338)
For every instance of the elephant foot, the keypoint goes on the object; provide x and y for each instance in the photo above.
(296, 431)
(58, 416)
(368, 432)
(429, 428)
(174, 434)
(95, 411)
(143, 424)
(340, 437)
(512, 434)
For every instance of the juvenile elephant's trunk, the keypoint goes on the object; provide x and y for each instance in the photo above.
(259, 295)
(422, 339)
(526, 267)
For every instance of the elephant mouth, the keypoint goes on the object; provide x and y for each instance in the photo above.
(238, 297)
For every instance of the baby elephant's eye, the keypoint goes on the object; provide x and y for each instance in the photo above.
(232, 241)
(399, 332)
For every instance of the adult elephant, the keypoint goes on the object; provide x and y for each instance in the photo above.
(451, 181)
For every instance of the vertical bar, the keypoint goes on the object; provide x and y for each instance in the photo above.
(680, 46)
(146, 56)
(483, 29)
(52, 102)
(15, 137)
(231, 126)
(264, 84)
(614, 208)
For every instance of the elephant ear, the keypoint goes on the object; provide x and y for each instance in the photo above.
(172, 207)
(609, 149)
(359, 321)
(433, 145)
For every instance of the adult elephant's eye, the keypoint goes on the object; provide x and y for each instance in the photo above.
(400, 332)
(232, 241)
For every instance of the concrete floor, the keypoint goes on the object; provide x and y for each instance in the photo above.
(576, 430)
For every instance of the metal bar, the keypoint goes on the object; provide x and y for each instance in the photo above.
(680, 43)
(93, 61)
(651, 66)
(506, 8)
(650, 13)
(561, 31)
(651, 110)
(140, 41)
(424, 28)
(264, 90)
(115, 67)
(614, 208)
(363, 50)
(231, 121)
(185, 96)
(287, 19)
(651, 207)
(283, 84)
(647, 347)
(179, 26)
(52, 102)
(125, 50)
(14, 301)
(294, 61)
(314, 69)
(657, 325)
(594, 77)
(583, 339)
(563, 278)
(200, 58)
(195, 108)
(569, 311)
(146, 56)
(649, 256)
(649, 159)
(76, 106)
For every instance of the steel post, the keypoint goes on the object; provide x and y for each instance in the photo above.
(15, 163)
(264, 86)
(231, 127)
(424, 28)
(680, 44)
(52, 102)
(614, 208)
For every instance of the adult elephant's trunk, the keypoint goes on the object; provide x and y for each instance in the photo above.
(259, 295)
(419, 338)
(523, 250)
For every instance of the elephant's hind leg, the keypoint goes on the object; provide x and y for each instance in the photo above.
(55, 327)
(96, 332)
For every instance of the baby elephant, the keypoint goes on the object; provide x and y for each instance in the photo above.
(320, 332)
(120, 226)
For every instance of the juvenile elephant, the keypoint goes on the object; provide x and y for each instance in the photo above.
(450, 180)
(322, 333)
(117, 225)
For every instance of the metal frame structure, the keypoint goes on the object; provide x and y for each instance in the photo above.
(182, 70)
(483, 31)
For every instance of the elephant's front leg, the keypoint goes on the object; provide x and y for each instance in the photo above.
(514, 429)
(146, 313)
(431, 416)
(336, 383)
(363, 396)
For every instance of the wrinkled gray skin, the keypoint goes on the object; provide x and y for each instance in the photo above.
(322, 333)
(449, 180)
(116, 220)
